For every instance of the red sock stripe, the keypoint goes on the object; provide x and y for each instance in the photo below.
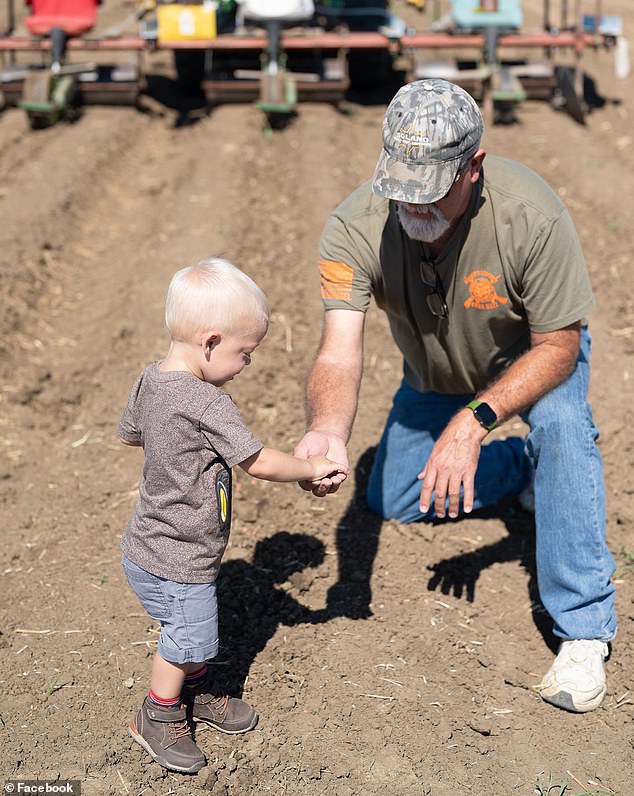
(164, 703)
(197, 675)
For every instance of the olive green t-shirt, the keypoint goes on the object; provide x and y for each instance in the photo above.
(513, 264)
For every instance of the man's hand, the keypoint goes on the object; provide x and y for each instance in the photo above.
(452, 465)
(454, 458)
(320, 443)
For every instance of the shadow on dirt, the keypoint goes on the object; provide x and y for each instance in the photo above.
(371, 84)
(251, 604)
(163, 94)
(365, 88)
(357, 542)
(458, 575)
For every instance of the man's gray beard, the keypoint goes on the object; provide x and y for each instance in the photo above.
(427, 228)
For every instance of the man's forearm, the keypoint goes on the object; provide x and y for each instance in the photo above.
(542, 368)
(332, 392)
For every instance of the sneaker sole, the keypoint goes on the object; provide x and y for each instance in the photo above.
(140, 740)
(564, 700)
(210, 723)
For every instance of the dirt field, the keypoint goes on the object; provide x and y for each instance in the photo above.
(382, 658)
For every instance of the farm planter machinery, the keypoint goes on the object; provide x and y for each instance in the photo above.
(277, 53)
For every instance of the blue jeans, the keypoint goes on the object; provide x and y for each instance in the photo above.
(574, 565)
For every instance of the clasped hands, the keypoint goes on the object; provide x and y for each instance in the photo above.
(448, 475)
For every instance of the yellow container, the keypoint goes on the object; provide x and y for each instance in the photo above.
(186, 22)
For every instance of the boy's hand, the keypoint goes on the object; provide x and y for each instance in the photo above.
(315, 443)
(324, 467)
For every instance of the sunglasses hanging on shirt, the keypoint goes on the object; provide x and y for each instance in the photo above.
(436, 299)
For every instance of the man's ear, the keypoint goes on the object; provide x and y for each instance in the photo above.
(476, 165)
(209, 341)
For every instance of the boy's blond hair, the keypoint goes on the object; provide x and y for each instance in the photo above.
(214, 294)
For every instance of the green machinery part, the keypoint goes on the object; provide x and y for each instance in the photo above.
(46, 96)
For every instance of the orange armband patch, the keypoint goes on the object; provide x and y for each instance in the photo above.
(336, 280)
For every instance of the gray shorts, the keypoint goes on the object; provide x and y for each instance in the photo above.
(188, 613)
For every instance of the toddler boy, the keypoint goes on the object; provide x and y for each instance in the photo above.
(192, 434)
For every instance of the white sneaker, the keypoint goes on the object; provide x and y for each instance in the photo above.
(576, 680)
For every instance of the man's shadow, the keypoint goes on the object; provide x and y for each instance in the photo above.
(251, 606)
(459, 574)
(357, 542)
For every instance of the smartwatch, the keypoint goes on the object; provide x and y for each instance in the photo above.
(485, 416)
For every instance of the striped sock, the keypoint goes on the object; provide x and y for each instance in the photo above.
(162, 702)
(197, 677)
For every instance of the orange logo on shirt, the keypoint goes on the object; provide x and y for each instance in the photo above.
(336, 280)
(483, 295)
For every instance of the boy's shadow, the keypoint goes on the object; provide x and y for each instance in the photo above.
(251, 606)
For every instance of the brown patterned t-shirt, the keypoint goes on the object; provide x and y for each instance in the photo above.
(192, 434)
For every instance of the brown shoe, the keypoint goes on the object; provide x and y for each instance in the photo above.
(223, 712)
(165, 734)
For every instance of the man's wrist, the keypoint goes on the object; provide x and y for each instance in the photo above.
(483, 413)
(327, 432)
(475, 428)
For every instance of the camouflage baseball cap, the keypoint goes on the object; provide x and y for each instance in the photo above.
(428, 126)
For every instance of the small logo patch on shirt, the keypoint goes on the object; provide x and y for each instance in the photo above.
(223, 498)
(482, 292)
(336, 280)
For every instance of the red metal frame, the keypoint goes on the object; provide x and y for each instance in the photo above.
(321, 41)
(324, 41)
(542, 39)
(10, 43)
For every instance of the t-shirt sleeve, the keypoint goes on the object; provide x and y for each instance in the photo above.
(344, 255)
(224, 428)
(556, 289)
(128, 429)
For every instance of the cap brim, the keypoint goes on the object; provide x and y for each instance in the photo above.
(419, 185)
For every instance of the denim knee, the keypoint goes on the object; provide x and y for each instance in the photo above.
(560, 422)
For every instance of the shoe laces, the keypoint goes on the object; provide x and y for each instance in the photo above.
(580, 649)
(178, 730)
(220, 703)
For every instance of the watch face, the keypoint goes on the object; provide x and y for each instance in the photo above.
(486, 415)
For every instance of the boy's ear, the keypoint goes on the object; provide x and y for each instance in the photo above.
(209, 341)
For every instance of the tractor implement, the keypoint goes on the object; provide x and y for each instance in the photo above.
(53, 87)
(280, 54)
(294, 67)
(485, 52)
